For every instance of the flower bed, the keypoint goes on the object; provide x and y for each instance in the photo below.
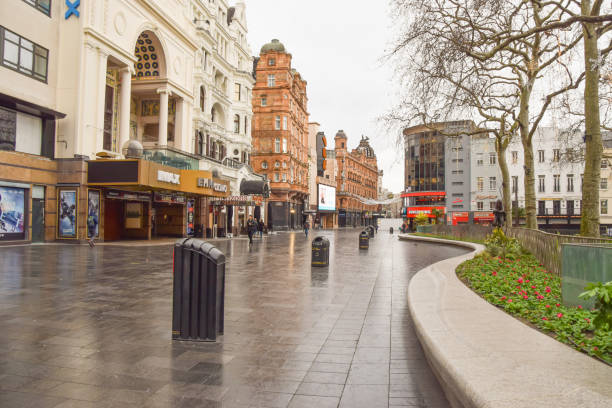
(523, 288)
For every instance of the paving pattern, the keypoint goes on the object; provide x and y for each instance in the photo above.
(82, 327)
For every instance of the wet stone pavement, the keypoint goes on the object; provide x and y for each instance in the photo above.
(82, 327)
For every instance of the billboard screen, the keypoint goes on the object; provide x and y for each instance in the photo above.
(327, 198)
(12, 211)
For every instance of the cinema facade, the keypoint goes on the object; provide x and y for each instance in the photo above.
(81, 82)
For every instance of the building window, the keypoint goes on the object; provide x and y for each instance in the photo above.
(284, 165)
(202, 98)
(556, 155)
(457, 160)
(276, 164)
(271, 62)
(491, 205)
(514, 184)
(284, 123)
(479, 162)
(284, 145)
(236, 124)
(276, 177)
(603, 183)
(581, 181)
(480, 183)
(604, 164)
(237, 91)
(199, 147)
(277, 123)
(42, 5)
(457, 183)
(541, 156)
(23, 56)
(604, 207)
(514, 157)
(271, 80)
(541, 184)
(570, 183)
(264, 164)
(479, 205)
(556, 183)
(492, 159)
(492, 183)
(277, 145)
(246, 127)
(284, 177)
(264, 101)
(454, 194)
(457, 171)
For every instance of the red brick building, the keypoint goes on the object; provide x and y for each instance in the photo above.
(357, 180)
(280, 135)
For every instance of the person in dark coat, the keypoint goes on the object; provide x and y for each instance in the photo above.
(251, 228)
(260, 227)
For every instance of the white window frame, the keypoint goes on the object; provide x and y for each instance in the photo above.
(271, 80)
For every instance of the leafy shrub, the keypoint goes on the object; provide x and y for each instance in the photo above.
(602, 292)
(498, 244)
(421, 219)
(523, 288)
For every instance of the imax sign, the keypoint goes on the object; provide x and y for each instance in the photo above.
(168, 177)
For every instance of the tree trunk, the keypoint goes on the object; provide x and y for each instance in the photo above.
(501, 148)
(589, 223)
(531, 219)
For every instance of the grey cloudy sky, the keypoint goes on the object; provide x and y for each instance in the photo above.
(337, 46)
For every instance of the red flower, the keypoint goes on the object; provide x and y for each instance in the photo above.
(525, 297)
(494, 273)
(544, 318)
(503, 298)
(559, 315)
(558, 304)
(520, 280)
(579, 307)
(509, 300)
(547, 306)
(547, 289)
(595, 348)
(587, 319)
(533, 287)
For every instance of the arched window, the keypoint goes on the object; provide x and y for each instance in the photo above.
(236, 124)
(202, 98)
(213, 115)
(264, 164)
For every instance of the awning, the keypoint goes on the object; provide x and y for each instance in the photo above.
(256, 187)
(29, 107)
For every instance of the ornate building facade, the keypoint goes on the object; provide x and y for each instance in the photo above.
(83, 81)
(357, 181)
(280, 135)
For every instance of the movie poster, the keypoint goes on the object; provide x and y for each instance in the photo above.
(93, 211)
(12, 210)
(67, 213)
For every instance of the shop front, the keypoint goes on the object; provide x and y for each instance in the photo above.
(238, 209)
(139, 199)
(483, 217)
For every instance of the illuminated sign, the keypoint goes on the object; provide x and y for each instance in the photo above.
(168, 177)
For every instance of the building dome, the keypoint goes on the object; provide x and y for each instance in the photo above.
(365, 148)
(275, 45)
(341, 134)
(134, 149)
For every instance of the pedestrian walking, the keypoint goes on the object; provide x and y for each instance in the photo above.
(260, 227)
(92, 224)
(251, 228)
(306, 227)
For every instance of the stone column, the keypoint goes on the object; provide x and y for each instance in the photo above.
(124, 107)
(101, 101)
(162, 139)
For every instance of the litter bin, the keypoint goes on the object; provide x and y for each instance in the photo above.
(198, 291)
(364, 240)
(370, 231)
(320, 252)
(390, 230)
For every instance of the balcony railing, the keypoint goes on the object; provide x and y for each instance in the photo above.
(170, 156)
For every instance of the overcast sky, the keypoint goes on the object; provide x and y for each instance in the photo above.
(337, 46)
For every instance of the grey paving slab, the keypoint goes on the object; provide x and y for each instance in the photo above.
(83, 327)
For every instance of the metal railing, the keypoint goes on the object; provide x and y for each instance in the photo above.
(546, 247)
(170, 156)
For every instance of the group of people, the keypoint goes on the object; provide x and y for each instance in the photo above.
(253, 227)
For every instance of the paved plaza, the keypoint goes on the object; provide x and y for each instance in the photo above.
(83, 327)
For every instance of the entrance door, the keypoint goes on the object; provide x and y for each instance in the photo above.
(38, 220)
(113, 219)
(541, 208)
(570, 207)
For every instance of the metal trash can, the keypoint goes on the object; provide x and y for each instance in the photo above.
(390, 230)
(320, 252)
(370, 231)
(198, 291)
(364, 240)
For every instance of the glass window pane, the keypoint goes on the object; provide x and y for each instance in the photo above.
(11, 36)
(45, 5)
(11, 53)
(40, 66)
(27, 44)
(41, 51)
(26, 60)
